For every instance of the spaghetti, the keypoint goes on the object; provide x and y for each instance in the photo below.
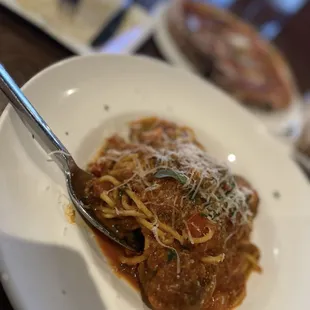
(194, 215)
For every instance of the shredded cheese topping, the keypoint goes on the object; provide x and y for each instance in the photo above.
(206, 178)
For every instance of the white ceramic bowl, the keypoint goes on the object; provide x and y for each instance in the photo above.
(49, 264)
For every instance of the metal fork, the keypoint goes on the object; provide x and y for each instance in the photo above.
(76, 178)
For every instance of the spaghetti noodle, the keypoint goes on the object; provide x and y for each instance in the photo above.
(195, 216)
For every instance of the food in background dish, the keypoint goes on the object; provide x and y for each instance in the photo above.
(195, 217)
(232, 54)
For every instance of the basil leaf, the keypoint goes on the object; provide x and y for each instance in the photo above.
(169, 173)
(171, 255)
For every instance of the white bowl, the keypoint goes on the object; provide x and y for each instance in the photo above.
(49, 264)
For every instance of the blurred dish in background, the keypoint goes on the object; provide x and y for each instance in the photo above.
(231, 53)
(234, 55)
(76, 28)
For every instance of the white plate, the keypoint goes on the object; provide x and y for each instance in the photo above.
(48, 264)
(137, 29)
(286, 123)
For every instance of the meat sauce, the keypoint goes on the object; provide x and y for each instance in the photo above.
(193, 258)
(112, 252)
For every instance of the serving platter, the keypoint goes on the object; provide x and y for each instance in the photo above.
(48, 263)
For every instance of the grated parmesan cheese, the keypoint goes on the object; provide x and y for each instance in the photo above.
(206, 177)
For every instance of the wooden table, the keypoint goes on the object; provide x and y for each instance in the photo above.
(25, 50)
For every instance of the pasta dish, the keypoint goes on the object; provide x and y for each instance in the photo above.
(232, 54)
(194, 217)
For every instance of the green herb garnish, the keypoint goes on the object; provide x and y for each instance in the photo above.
(169, 173)
(204, 215)
(171, 255)
(193, 199)
(212, 215)
(120, 193)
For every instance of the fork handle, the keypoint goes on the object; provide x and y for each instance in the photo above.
(34, 122)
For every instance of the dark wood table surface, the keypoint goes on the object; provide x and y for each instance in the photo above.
(25, 50)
